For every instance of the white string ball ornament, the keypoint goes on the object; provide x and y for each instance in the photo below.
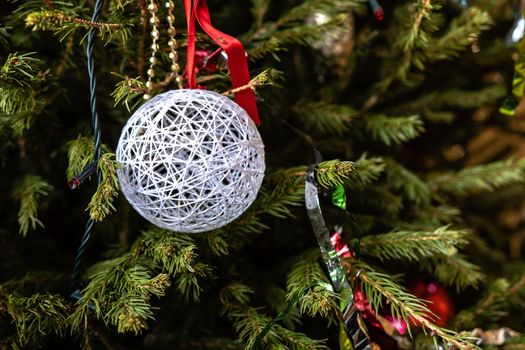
(192, 160)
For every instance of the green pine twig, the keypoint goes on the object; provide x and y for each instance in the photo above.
(28, 192)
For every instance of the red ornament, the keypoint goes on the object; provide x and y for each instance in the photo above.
(337, 242)
(362, 304)
(379, 14)
(205, 61)
(441, 303)
(399, 324)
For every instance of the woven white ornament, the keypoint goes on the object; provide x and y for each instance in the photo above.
(192, 160)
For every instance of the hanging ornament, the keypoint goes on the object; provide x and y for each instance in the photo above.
(339, 245)
(441, 303)
(336, 46)
(336, 42)
(515, 36)
(377, 9)
(193, 160)
(208, 61)
(352, 331)
(172, 44)
(339, 197)
(384, 322)
(460, 3)
(518, 27)
(495, 337)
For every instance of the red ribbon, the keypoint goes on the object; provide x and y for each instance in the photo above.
(237, 63)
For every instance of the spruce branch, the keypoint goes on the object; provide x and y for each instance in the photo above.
(416, 36)
(187, 282)
(455, 98)
(394, 130)
(378, 287)
(409, 184)
(495, 303)
(176, 253)
(268, 76)
(119, 293)
(4, 36)
(250, 323)
(28, 192)
(128, 90)
(19, 79)
(131, 311)
(235, 293)
(275, 297)
(410, 31)
(259, 9)
(296, 35)
(378, 199)
(462, 32)
(454, 270)
(413, 245)
(366, 171)
(326, 117)
(101, 203)
(490, 307)
(79, 154)
(52, 19)
(333, 173)
(291, 27)
(307, 280)
(481, 178)
(35, 318)
(65, 22)
(120, 289)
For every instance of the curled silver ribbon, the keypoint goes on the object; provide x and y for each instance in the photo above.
(350, 314)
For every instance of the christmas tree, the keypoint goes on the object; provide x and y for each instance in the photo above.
(392, 114)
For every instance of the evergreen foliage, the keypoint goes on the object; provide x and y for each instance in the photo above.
(28, 192)
(405, 93)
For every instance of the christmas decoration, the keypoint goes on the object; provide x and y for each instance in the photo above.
(377, 9)
(515, 36)
(207, 60)
(351, 332)
(460, 3)
(192, 160)
(97, 152)
(337, 242)
(336, 42)
(339, 197)
(393, 100)
(363, 306)
(496, 337)
(441, 303)
(337, 45)
(172, 43)
(518, 27)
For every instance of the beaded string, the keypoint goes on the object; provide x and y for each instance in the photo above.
(172, 43)
(154, 20)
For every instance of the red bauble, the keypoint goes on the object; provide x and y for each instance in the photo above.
(441, 303)
(362, 304)
(205, 61)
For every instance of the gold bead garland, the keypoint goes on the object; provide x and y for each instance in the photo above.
(154, 21)
(172, 43)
